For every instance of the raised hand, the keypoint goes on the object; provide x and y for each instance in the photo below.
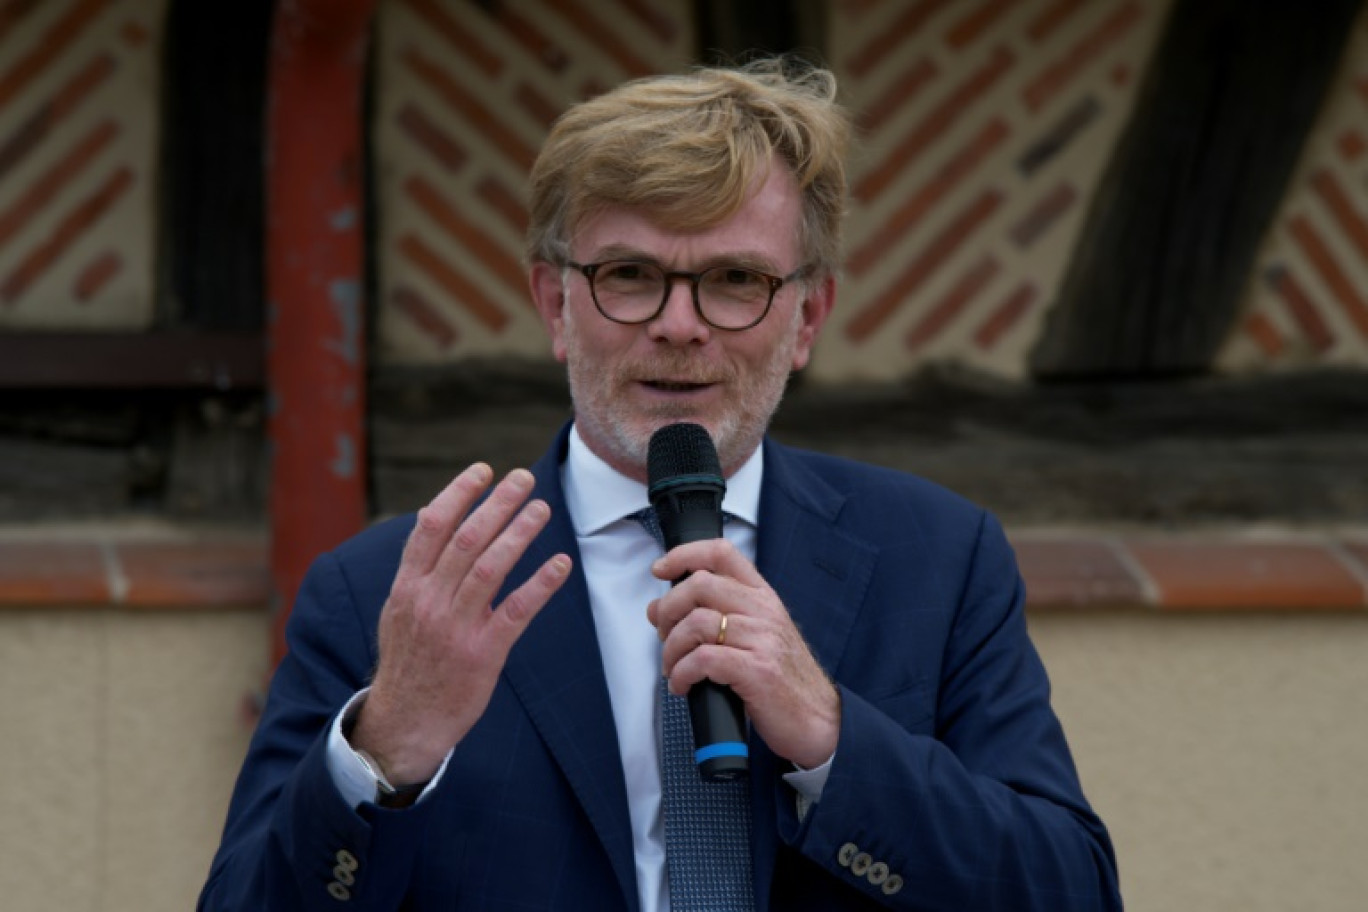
(442, 642)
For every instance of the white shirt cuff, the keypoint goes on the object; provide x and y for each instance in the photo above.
(808, 783)
(351, 776)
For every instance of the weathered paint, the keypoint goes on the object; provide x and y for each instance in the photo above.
(344, 219)
(343, 463)
(315, 261)
(345, 296)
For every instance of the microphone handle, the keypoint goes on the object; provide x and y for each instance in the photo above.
(719, 727)
(717, 714)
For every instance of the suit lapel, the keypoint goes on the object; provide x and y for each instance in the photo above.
(822, 574)
(557, 673)
(820, 571)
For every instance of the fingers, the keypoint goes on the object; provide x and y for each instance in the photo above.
(710, 590)
(474, 534)
(438, 520)
(491, 540)
(449, 538)
(689, 618)
(701, 562)
(701, 629)
(523, 603)
(459, 554)
(716, 555)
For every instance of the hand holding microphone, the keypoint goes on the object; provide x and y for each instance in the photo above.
(685, 486)
(728, 637)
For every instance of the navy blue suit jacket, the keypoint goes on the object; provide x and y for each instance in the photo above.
(952, 780)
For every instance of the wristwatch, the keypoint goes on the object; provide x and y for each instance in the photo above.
(388, 795)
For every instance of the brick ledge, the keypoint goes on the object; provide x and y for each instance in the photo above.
(156, 566)
(135, 565)
(1195, 570)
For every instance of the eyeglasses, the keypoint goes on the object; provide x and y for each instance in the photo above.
(726, 297)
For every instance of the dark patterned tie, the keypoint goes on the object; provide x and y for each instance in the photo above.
(707, 824)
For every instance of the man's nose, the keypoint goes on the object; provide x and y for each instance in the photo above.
(679, 320)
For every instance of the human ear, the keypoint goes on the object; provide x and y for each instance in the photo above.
(548, 294)
(816, 307)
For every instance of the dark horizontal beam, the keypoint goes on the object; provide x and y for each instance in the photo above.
(173, 359)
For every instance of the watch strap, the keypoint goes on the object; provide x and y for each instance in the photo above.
(387, 794)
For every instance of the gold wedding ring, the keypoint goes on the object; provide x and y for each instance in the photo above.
(722, 632)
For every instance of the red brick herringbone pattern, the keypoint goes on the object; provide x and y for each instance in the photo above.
(986, 125)
(77, 146)
(1307, 304)
(467, 91)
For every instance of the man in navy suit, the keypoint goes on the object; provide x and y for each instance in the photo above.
(468, 718)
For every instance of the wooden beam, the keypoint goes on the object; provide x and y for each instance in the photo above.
(172, 359)
(315, 262)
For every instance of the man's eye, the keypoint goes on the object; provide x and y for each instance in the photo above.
(734, 277)
(741, 277)
(626, 272)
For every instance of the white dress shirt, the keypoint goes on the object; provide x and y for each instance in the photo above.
(616, 555)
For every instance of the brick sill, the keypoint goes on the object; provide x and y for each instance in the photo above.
(1248, 569)
(133, 565)
(150, 566)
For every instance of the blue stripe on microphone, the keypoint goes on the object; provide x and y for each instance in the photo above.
(721, 749)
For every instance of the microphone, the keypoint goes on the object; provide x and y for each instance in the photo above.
(685, 486)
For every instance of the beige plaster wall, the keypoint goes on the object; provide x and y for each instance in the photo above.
(1226, 753)
(120, 735)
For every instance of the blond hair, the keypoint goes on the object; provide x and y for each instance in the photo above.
(691, 149)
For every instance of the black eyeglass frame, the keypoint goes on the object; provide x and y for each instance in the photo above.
(588, 270)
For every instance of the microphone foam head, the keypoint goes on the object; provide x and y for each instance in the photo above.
(681, 449)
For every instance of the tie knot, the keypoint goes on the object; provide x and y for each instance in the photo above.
(651, 523)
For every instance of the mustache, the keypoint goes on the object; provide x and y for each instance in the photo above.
(678, 370)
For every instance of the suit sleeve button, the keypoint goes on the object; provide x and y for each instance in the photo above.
(344, 876)
(860, 863)
(347, 860)
(878, 873)
(847, 853)
(892, 885)
(338, 892)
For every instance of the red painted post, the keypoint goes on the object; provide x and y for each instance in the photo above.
(315, 286)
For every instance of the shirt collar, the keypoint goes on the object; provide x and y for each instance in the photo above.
(597, 495)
